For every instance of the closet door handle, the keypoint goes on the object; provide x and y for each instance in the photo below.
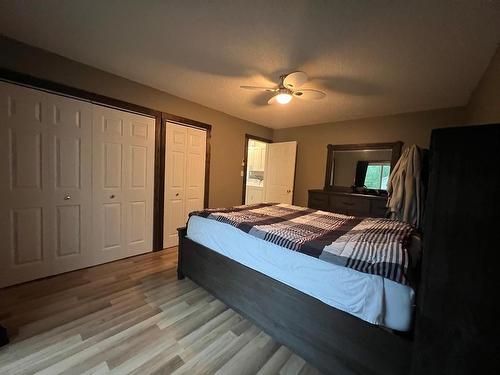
(176, 194)
(112, 196)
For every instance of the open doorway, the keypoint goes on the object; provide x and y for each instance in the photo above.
(254, 165)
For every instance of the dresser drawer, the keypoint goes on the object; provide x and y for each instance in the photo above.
(318, 201)
(347, 203)
(361, 207)
(340, 202)
(378, 208)
(350, 205)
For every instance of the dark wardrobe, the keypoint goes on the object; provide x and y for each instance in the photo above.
(458, 319)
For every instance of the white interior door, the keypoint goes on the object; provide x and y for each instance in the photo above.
(123, 162)
(280, 172)
(45, 185)
(251, 157)
(185, 156)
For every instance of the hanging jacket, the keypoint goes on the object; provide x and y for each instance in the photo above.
(405, 188)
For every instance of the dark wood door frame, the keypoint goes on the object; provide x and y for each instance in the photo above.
(245, 157)
(29, 81)
(160, 181)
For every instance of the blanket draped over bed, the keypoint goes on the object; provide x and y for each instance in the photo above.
(369, 245)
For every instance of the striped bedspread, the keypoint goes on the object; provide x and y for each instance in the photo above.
(369, 245)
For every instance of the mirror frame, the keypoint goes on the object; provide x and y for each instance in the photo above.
(330, 166)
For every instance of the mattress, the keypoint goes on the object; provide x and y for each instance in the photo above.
(369, 297)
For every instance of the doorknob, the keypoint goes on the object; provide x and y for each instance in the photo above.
(112, 196)
(67, 197)
(176, 194)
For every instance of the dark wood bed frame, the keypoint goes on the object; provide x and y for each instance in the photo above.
(330, 339)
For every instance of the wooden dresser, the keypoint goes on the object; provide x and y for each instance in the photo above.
(348, 203)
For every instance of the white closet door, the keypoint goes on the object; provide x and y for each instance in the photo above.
(70, 174)
(123, 177)
(175, 182)
(185, 155)
(45, 195)
(76, 186)
(195, 170)
(280, 172)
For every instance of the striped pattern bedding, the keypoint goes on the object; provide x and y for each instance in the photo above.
(369, 245)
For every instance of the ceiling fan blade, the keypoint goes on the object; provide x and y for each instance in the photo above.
(258, 88)
(294, 80)
(272, 100)
(309, 94)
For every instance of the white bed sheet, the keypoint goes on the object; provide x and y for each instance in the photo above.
(370, 297)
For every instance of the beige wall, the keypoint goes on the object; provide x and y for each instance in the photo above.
(484, 104)
(410, 128)
(228, 133)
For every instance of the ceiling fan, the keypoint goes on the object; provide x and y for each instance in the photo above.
(289, 87)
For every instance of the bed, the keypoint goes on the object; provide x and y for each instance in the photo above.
(338, 318)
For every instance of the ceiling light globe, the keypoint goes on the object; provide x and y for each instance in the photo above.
(283, 98)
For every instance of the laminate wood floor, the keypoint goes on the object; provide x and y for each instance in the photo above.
(132, 317)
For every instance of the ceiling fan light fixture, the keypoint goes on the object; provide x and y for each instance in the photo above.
(284, 96)
(288, 87)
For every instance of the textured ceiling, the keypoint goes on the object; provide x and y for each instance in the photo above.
(371, 57)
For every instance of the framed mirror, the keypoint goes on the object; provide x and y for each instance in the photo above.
(361, 168)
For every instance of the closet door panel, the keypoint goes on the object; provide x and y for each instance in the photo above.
(25, 154)
(138, 165)
(139, 182)
(112, 166)
(69, 230)
(27, 236)
(195, 169)
(185, 155)
(112, 221)
(123, 183)
(108, 168)
(138, 223)
(68, 162)
(45, 184)
(23, 186)
(175, 182)
(69, 130)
